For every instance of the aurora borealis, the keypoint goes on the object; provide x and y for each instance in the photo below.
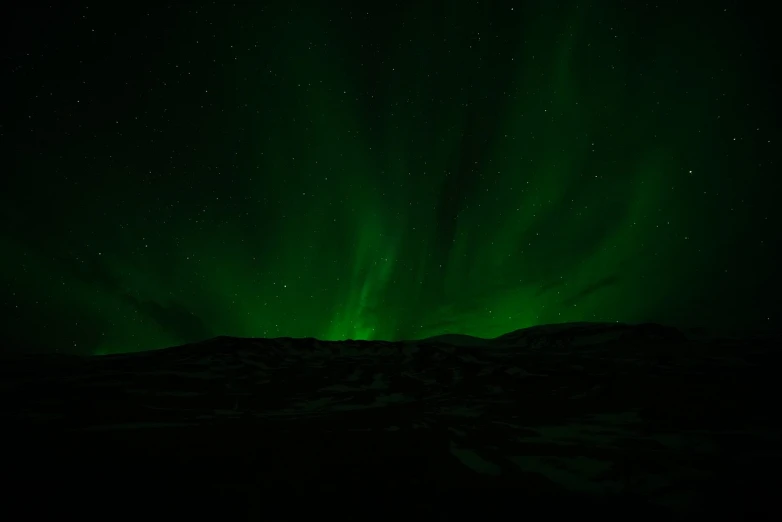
(383, 171)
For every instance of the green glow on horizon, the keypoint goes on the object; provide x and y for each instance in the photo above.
(353, 184)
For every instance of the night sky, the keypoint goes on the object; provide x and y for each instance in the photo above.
(383, 170)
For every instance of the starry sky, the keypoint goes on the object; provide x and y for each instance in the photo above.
(360, 170)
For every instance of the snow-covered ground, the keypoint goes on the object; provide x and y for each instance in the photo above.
(608, 412)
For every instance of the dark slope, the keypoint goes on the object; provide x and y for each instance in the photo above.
(643, 421)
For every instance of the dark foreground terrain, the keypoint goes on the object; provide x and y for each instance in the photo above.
(603, 420)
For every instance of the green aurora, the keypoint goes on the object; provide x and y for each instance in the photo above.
(385, 173)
